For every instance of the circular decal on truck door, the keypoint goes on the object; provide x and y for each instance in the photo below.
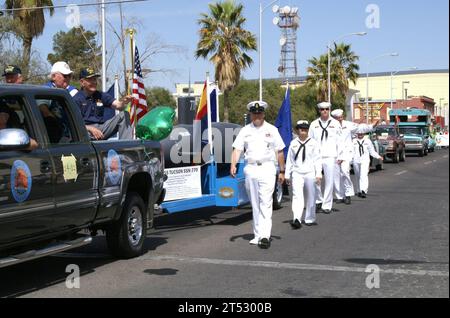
(114, 167)
(20, 181)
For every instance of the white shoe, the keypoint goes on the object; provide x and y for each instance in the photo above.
(255, 241)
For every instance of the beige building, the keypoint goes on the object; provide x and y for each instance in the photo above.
(430, 83)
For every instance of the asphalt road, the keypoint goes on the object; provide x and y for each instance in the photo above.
(402, 228)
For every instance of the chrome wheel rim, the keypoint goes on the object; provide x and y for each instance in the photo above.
(134, 226)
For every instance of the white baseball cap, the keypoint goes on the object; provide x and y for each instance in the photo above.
(61, 67)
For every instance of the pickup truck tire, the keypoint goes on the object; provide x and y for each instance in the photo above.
(421, 153)
(403, 155)
(126, 236)
(396, 157)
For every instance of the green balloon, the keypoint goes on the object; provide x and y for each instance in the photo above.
(156, 124)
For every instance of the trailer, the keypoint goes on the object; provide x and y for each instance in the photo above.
(219, 189)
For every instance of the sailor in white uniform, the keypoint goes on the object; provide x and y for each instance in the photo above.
(263, 149)
(327, 131)
(303, 171)
(343, 186)
(363, 148)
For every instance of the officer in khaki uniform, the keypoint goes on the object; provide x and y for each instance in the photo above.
(263, 147)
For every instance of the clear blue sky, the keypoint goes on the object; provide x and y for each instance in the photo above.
(417, 30)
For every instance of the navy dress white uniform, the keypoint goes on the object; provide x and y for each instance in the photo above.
(261, 145)
(363, 149)
(343, 185)
(303, 167)
(328, 134)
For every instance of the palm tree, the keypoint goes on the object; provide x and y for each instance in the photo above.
(347, 60)
(224, 41)
(343, 69)
(31, 23)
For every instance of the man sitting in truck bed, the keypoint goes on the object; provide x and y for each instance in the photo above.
(92, 103)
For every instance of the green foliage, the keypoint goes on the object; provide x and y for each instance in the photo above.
(158, 96)
(225, 42)
(77, 47)
(303, 100)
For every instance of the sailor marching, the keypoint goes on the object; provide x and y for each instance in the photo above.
(303, 171)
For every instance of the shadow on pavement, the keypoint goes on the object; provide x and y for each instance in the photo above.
(161, 271)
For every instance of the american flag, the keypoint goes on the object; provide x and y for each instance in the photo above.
(139, 107)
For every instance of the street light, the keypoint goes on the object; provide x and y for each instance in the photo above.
(367, 79)
(261, 10)
(392, 80)
(404, 97)
(440, 106)
(329, 58)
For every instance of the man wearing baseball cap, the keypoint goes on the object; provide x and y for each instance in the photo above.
(92, 103)
(13, 74)
(60, 77)
(263, 147)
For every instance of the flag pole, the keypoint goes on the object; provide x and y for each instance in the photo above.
(208, 103)
(131, 33)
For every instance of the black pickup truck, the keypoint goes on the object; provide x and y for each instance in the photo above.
(57, 194)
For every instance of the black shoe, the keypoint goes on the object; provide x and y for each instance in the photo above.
(358, 194)
(319, 206)
(311, 224)
(326, 211)
(296, 225)
(339, 201)
(264, 243)
(348, 200)
(363, 195)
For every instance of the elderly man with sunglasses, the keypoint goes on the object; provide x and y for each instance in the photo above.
(60, 77)
(327, 132)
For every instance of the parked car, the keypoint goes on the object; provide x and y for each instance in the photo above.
(415, 140)
(389, 137)
(65, 185)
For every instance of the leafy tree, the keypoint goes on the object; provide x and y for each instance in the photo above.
(158, 96)
(30, 23)
(343, 69)
(225, 41)
(77, 47)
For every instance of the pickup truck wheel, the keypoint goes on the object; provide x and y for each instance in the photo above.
(396, 157)
(277, 196)
(403, 155)
(126, 237)
(421, 153)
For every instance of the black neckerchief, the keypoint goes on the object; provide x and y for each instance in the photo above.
(302, 146)
(361, 149)
(324, 130)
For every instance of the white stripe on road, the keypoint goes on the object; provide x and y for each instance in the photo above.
(278, 265)
(428, 162)
(401, 172)
(446, 156)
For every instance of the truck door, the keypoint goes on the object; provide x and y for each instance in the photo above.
(74, 161)
(26, 189)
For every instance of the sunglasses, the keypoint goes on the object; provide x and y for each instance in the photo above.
(324, 109)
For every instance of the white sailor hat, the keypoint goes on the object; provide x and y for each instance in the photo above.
(360, 131)
(337, 113)
(324, 105)
(257, 107)
(302, 124)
